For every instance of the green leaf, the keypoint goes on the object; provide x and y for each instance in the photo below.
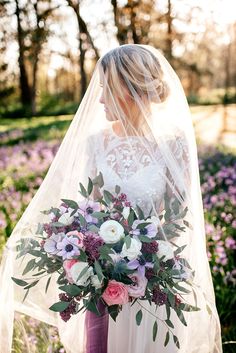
(98, 270)
(30, 265)
(59, 306)
(113, 311)
(31, 284)
(82, 256)
(98, 180)
(47, 284)
(127, 240)
(25, 296)
(82, 220)
(179, 250)
(91, 305)
(93, 228)
(154, 331)
(181, 317)
(117, 189)
(83, 190)
(19, 282)
(99, 215)
(108, 196)
(71, 289)
(187, 224)
(182, 289)
(70, 203)
(167, 338)
(85, 269)
(90, 186)
(145, 239)
(168, 311)
(169, 323)
(140, 212)
(131, 217)
(171, 298)
(139, 317)
(176, 341)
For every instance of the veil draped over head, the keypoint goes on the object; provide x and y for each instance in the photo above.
(143, 141)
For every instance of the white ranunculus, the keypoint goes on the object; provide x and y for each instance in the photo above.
(165, 249)
(95, 282)
(133, 251)
(111, 231)
(75, 271)
(66, 219)
(126, 212)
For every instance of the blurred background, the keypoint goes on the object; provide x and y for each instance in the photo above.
(48, 50)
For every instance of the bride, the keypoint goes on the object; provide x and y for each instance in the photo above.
(133, 126)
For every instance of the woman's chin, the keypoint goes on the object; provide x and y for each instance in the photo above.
(110, 117)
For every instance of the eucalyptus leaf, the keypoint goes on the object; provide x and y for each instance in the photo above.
(90, 186)
(70, 203)
(30, 265)
(167, 338)
(83, 190)
(154, 331)
(59, 306)
(19, 282)
(176, 341)
(71, 289)
(139, 317)
(98, 270)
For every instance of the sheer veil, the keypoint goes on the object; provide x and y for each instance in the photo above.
(144, 101)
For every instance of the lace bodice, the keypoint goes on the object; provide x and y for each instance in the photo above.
(130, 165)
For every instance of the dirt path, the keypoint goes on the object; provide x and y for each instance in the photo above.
(215, 124)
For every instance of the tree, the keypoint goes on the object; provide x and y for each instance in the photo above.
(133, 20)
(85, 43)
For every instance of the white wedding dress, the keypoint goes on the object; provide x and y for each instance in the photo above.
(142, 182)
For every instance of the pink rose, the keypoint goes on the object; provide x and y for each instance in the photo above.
(115, 293)
(67, 264)
(137, 289)
(75, 233)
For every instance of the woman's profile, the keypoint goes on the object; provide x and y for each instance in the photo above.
(133, 126)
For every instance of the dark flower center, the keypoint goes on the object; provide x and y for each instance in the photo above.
(143, 231)
(69, 247)
(89, 210)
(142, 261)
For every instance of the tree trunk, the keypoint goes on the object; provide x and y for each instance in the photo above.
(24, 82)
(169, 33)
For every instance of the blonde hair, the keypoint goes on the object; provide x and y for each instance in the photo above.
(138, 69)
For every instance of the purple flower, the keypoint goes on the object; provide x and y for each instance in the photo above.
(69, 247)
(92, 242)
(230, 243)
(140, 264)
(50, 245)
(150, 230)
(86, 208)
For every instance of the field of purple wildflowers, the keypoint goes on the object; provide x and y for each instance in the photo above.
(25, 155)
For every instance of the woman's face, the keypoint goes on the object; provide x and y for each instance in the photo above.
(125, 104)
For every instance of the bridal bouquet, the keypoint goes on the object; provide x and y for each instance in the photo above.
(104, 249)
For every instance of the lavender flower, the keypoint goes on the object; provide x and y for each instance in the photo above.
(69, 247)
(150, 230)
(86, 208)
(140, 264)
(50, 245)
